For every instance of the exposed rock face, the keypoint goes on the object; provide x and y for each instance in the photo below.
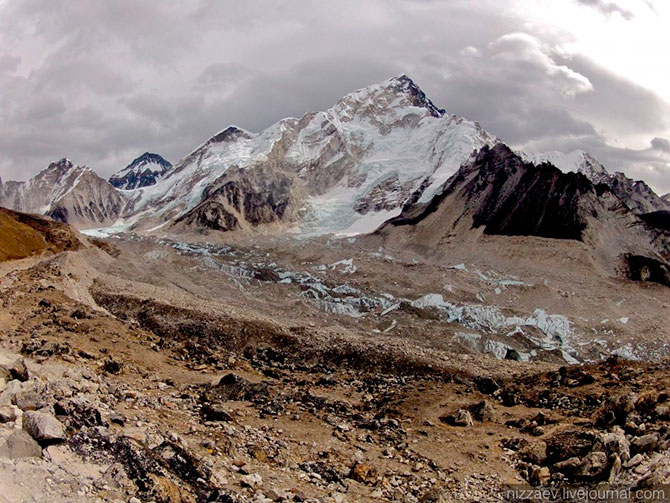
(636, 195)
(657, 219)
(144, 171)
(505, 195)
(210, 215)
(522, 201)
(386, 196)
(498, 193)
(242, 200)
(66, 192)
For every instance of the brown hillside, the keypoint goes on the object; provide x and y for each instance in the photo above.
(23, 235)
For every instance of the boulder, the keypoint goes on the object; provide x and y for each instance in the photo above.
(44, 427)
(11, 390)
(8, 414)
(363, 473)
(595, 467)
(569, 468)
(20, 445)
(645, 443)
(16, 370)
(533, 451)
(215, 412)
(569, 444)
(615, 410)
(615, 442)
(234, 387)
(540, 476)
(461, 417)
(251, 480)
(486, 385)
(646, 402)
(615, 469)
(483, 411)
(29, 399)
(658, 476)
(80, 412)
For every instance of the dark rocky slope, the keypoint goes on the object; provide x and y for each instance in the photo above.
(497, 193)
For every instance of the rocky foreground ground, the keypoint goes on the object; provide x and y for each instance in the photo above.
(107, 396)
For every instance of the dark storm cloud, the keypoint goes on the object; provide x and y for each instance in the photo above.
(661, 144)
(101, 82)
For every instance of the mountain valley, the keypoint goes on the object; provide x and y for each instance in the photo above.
(378, 302)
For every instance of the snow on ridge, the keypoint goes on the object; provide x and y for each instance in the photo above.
(388, 129)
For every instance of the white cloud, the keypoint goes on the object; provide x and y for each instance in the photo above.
(522, 47)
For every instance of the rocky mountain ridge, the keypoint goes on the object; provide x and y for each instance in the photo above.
(498, 193)
(345, 170)
(144, 171)
(635, 194)
(66, 192)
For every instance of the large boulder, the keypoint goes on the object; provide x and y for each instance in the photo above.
(615, 442)
(16, 370)
(13, 388)
(461, 417)
(533, 451)
(615, 410)
(44, 427)
(8, 414)
(234, 387)
(20, 445)
(568, 444)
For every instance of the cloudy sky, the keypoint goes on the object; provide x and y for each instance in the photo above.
(101, 82)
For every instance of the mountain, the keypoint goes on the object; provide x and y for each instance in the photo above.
(498, 193)
(144, 171)
(636, 195)
(66, 192)
(346, 169)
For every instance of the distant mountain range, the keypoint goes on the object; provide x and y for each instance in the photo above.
(384, 153)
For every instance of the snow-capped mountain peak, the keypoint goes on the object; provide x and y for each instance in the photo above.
(66, 192)
(637, 195)
(142, 172)
(398, 94)
(345, 169)
(230, 134)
